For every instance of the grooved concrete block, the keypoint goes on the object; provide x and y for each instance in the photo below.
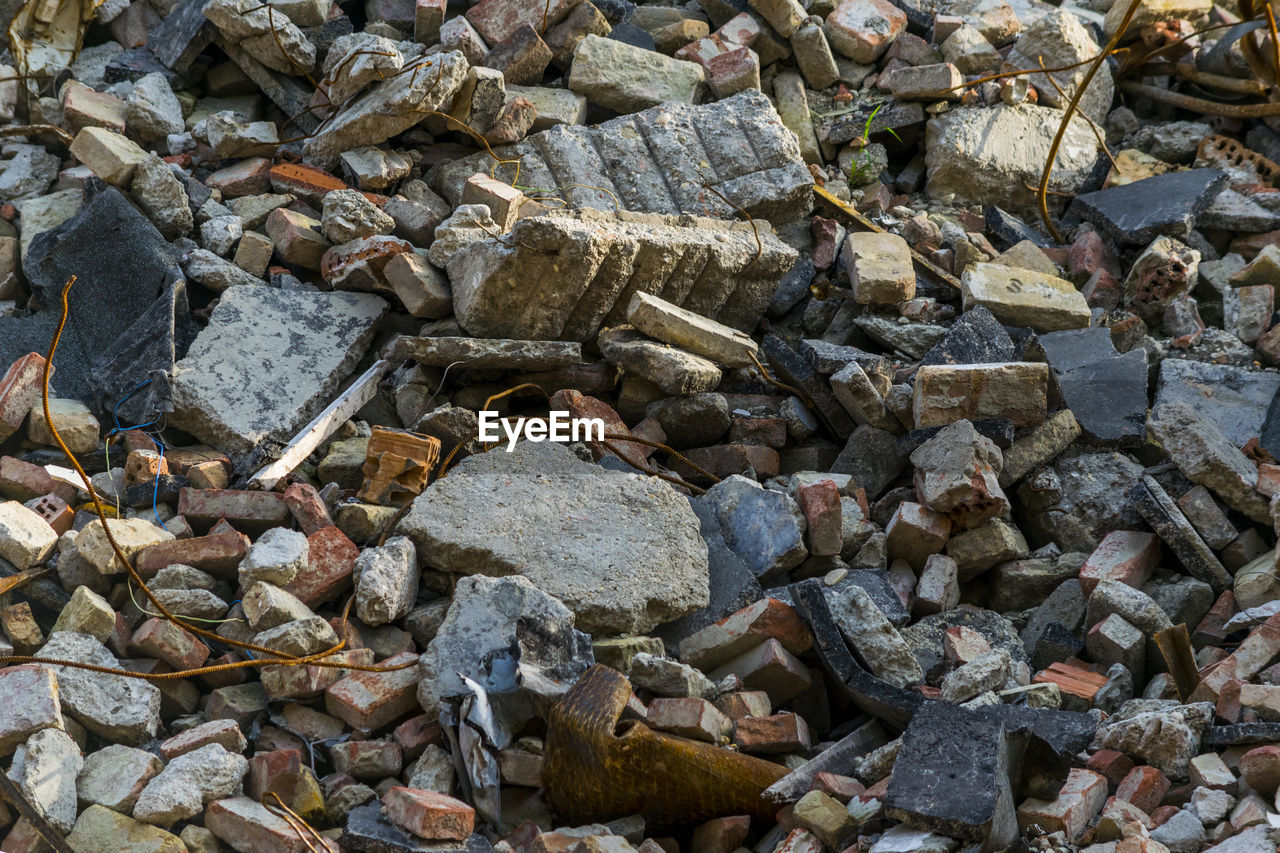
(589, 264)
(661, 160)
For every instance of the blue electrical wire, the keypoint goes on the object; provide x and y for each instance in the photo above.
(115, 416)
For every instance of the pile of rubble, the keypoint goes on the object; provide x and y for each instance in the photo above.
(933, 354)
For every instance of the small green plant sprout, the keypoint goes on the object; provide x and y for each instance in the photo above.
(864, 163)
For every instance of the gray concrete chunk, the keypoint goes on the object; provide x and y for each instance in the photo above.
(620, 550)
(268, 361)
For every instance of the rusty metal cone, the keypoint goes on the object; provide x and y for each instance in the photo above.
(597, 770)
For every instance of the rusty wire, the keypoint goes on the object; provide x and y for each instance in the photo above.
(608, 438)
(31, 129)
(1042, 195)
(306, 832)
(1097, 131)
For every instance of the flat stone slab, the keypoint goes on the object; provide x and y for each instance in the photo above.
(480, 354)
(1234, 398)
(268, 362)
(622, 551)
(1136, 213)
(1159, 511)
(1104, 389)
(661, 161)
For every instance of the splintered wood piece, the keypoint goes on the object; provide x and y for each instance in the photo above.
(397, 466)
(344, 406)
(1175, 645)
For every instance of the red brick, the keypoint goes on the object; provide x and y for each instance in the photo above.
(307, 507)
(1144, 786)
(1260, 767)
(143, 466)
(373, 251)
(211, 474)
(251, 512)
(1127, 556)
(915, 533)
(770, 735)
(163, 640)
(371, 700)
(696, 719)
(770, 432)
(820, 503)
(1227, 709)
(219, 554)
(296, 238)
(223, 732)
(1268, 479)
(1257, 651)
(1082, 797)
(739, 632)
(580, 405)
(19, 391)
(725, 460)
(429, 815)
(53, 510)
(961, 644)
(496, 20)
(1111, 764)
(416, 733)
(1116, 815)
(1162, 814)
(306, 182)
(745, 703)
(842, 788)
(1075, 680)
(23, 481)
(331, 557)
(1210, 631)
(248, 177)
(732, 71)
(768, 667)
(83, 107)
(720, 835)
(283, 772)
(863, 29)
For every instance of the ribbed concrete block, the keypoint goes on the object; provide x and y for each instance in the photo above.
(667, 159)
(565, 274)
